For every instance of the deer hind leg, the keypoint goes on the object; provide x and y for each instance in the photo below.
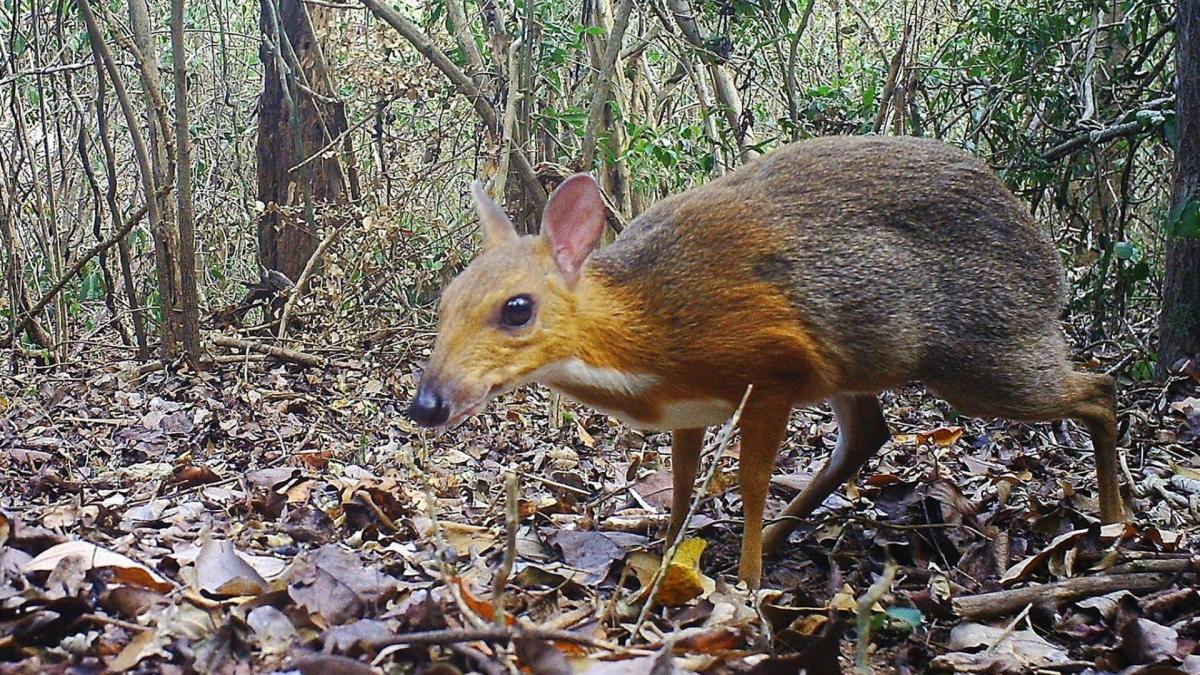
(861, 432)
(1047, 393)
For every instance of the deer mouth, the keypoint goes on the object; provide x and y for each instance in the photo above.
(475, 407)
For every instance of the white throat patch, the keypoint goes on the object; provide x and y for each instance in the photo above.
(576, 373)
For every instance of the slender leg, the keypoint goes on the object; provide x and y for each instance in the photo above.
(763, 426)
(861, 432)
(685, 460)
(1098, 413)
(1089, 398)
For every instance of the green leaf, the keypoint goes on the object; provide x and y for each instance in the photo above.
(1184, 219)
(909, 616)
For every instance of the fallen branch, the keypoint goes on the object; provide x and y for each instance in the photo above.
(999, 603)
(301, 286)
(492, 634)
(291, 355)
(865, 610)
(512, 521)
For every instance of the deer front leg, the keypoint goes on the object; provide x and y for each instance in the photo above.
(763, 425)
(685, 460)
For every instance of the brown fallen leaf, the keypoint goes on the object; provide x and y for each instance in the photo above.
(130, 601)
(190, 476)
(143, 645)
(337, 586)
(941, 437)
(481, 607)
(272, 628)
(356, 637)
(125, 569)
(592, 551)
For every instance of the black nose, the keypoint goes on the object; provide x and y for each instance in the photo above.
(429, 409)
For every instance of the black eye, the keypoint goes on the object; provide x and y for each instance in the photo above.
(518, 311)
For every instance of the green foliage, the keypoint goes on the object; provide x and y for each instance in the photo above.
(1183, 220)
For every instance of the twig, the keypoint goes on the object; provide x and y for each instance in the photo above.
(552, 483)
(863, 613)
(512, 522)
(1109, 133)
(1009, 629)
(96, 618)
(383, 517)
(493, 634)
(999, 603)
(697, 498)
(298, 289)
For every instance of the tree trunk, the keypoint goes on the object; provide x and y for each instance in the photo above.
(189, 302)
(294, 125)
(1179, 323)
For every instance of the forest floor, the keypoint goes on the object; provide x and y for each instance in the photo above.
(264, 517)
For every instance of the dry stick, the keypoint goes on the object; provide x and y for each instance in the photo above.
(999, 603)
(512, 522)
(147, 368)
(863, 612)
(305, 276)
(278, 352)
(1009, 629)
(494, 634)
(465, 86)
(551, 483)
(661, 575)
(603, 82)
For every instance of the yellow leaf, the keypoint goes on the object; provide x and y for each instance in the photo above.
(844, 600)
(684, 581)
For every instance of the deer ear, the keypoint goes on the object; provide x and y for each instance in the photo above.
(573, 221)
(494, 222)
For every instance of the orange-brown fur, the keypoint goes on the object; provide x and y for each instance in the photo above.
(829, 270)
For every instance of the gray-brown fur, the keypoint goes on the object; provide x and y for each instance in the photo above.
(908, 258)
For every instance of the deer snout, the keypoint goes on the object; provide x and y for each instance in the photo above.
(430, 407)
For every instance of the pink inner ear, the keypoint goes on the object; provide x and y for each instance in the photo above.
(573, 222)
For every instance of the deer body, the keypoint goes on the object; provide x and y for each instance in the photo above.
(830, 269)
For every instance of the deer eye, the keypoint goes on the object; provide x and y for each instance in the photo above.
(517, 311)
